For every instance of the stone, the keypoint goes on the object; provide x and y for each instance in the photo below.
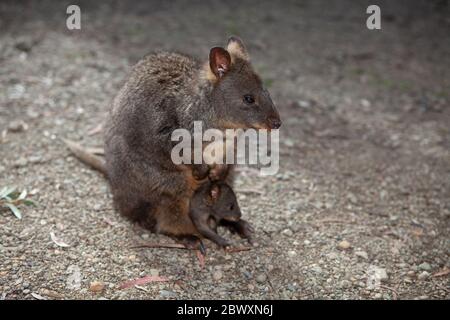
(154, 272)
(261, 278)
(292, 253)
(316, 269)
(217, 275)
(17, 126)
(167, 294)
(304, 103)
(344, 245)
(96, 286)
(378, 273)
(425, 266)
(423, 276)
(21, 162)
(362, 254)
(365, 103)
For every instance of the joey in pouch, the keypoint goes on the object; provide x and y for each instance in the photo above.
(211, 204)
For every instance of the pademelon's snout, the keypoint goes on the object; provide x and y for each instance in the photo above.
(274, 122)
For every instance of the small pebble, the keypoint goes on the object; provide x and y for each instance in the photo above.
(379, 273)
(17, 126)
(304, 103)
(96, 286)
(21, 162)
(217, 275)
(316, 269)
(423, 276)
(365, 103)
(167, 294)
(425, 266)
(344, 245)
(362, 254)
(154, 272)
(261, 278)
(292, 253)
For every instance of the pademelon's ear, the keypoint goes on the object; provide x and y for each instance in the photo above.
(236, 48)
(215, 192)
(219, 61)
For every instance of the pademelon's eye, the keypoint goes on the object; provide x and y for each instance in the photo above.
(249, 99)
(232, 207)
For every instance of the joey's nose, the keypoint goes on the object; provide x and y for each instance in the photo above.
(274, 122)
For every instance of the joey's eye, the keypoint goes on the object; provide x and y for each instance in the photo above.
(249, 99)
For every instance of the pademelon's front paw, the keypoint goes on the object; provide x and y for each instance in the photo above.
(218, 172)
(200, 171)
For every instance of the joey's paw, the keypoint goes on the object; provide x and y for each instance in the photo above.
(200, 171)
(242, 228)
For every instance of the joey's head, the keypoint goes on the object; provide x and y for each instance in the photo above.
(239, 97)
(224, 202)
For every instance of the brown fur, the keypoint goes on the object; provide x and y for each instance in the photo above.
(166, 91)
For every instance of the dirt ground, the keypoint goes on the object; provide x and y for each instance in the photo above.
(363, 191)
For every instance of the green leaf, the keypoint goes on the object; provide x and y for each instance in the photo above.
(7, 191)
(14, 210)
(29, 202)
(14, 195)
(23, 195)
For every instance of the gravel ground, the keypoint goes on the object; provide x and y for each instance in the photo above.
(363, 188)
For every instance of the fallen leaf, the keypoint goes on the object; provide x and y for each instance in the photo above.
(141, 288)
(238, 249)
(97, 151)
(51, 294)
(97, 129)
(418, 232)
(14, 210)
(58, 242)
(38, 296)
(201, 258)
(22, 195)
(161, 245)
(141, 281)
(441, 273)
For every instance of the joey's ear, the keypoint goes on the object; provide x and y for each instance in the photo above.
(237, 48)
(219, 61)
(215, 191)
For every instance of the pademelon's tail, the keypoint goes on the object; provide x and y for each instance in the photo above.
(87, 156)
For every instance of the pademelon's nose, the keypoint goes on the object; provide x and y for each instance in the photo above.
(274, 122)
